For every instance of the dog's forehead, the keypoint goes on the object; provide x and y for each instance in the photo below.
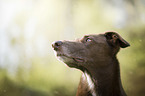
(95, 36)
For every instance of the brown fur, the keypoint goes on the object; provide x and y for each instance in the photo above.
(95, 55)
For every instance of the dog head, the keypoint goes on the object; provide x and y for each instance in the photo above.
(90, 50)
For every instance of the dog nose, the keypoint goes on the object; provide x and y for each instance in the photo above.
(56, 45)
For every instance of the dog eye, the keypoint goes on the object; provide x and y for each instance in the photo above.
(88, 40)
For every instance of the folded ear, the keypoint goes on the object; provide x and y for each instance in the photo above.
(114, 39)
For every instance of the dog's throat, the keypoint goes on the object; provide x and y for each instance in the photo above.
(91, 84)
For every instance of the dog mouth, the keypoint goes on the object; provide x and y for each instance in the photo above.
(76, 59)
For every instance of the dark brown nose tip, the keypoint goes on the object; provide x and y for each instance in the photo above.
(56, 45)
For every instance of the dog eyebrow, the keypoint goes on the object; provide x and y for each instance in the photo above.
(86, 36)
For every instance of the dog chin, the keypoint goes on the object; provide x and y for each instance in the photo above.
(65, 59)
(68, 61)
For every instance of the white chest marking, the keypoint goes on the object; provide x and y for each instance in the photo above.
(90, 84)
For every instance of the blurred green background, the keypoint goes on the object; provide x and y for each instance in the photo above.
(28, 66)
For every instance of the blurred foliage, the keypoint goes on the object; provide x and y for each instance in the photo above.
(9, 88)
(28, 66)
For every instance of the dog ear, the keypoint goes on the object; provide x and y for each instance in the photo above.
(114, 39)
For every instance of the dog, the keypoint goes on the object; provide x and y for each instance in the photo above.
(95, 56)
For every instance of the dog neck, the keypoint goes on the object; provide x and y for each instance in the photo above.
(104, 81)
